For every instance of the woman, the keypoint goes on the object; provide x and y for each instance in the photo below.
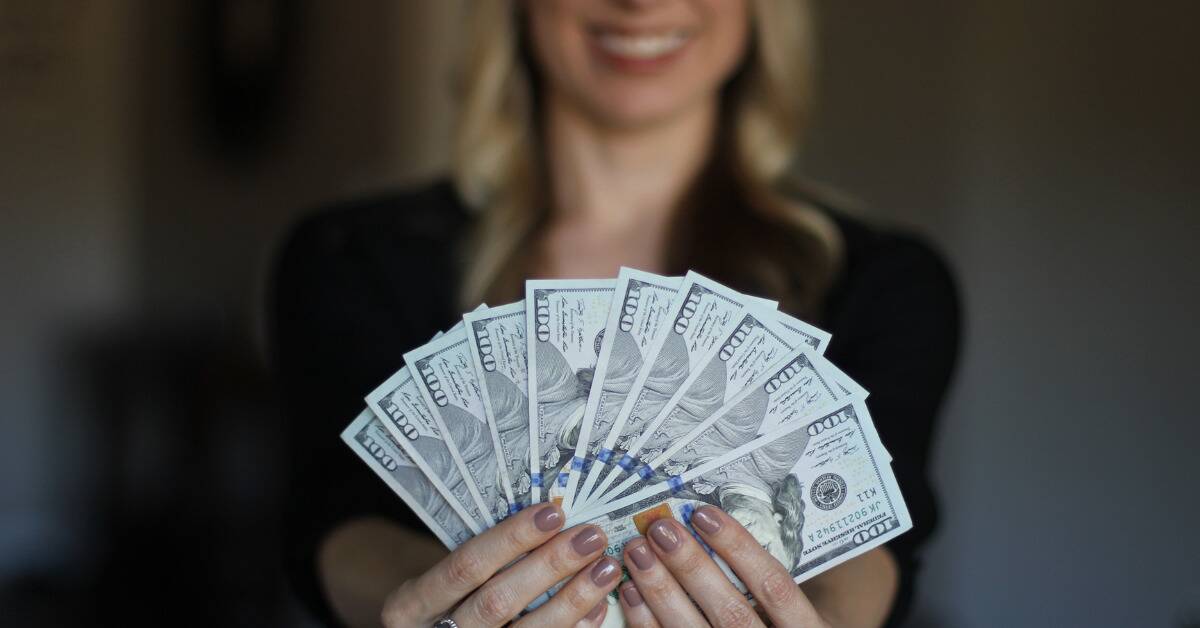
(595, 134)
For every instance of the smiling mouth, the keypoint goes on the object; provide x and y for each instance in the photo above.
(640, 46)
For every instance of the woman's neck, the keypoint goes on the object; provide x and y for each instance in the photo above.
(615, 180)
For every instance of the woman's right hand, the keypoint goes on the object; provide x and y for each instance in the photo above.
(469, 587)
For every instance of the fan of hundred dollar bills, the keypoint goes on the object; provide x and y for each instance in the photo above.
(629, 400)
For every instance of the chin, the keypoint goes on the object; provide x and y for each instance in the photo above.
(632, 109)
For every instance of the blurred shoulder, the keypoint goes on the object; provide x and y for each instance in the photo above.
(865, 252)
(891, 278)
(871, 251)
(427, 213)
(385, 266)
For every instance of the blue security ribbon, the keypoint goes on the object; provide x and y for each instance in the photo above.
(562, 479)
(536, 479)
(577, 463)
(514, 509)
(627, 462)
(687, 511)
(646, 471)
(604, 456)
(676, 484)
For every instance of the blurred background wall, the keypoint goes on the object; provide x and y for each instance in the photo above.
(152, 154)
(1051, 149)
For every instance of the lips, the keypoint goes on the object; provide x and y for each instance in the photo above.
(640, 53)
(642, 46)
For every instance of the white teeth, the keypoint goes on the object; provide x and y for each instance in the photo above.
(642, 46)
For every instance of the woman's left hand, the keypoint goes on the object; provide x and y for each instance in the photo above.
(670, 566)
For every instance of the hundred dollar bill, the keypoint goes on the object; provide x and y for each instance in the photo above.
(797, 385)
(801, 332)
(805, 331)
(753, 344)
(638, 314)
(498, 350)
(398, 405)
(813, 493)
(564, 323)
(447, 381)
(844, 383)
(372, 443)
(700, 317)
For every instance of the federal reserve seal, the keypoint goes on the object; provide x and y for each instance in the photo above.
(828, 491)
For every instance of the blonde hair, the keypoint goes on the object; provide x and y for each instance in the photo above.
(496, 162)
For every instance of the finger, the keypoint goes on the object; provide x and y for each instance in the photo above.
(659, 591)
(595, 617)
(766, 578)
(723, 604)
(580, 600)
(637, 614)
(472, 564)
(506, 594)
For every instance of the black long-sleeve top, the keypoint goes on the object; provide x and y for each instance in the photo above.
(359, 284)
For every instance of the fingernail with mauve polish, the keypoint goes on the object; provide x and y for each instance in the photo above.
(706, 520)
(587, 541)
(548, 518)
(604, 572)
(642, 557)
(594, 614)
(663, 534)
(631, 595)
